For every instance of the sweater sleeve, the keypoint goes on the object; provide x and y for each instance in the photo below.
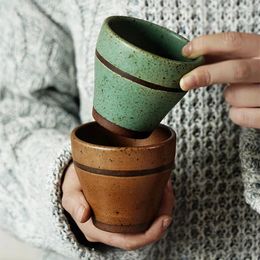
(39, 106)
(250, 162)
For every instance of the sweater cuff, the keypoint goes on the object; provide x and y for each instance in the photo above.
(250, 164)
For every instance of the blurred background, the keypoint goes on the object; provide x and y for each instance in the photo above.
(13, 249)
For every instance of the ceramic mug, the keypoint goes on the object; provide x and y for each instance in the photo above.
(123, 179)
(138, 66)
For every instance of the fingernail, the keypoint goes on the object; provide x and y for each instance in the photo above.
(80, 213)
(187, 82)
(187, 50)
(166, 222)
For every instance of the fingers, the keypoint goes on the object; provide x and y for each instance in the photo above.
(241, 95)
(75, 204)
(246, 117)
(134, 241)
(231, 44)
(73, 200)
(72, 180)
(127, 241)
(233, 71)
(168, 201)
(229, 62)
(245, 102)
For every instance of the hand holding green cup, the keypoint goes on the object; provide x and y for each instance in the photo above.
(138, 66)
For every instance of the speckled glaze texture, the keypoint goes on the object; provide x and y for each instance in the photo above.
(123, 178)
(137, 79)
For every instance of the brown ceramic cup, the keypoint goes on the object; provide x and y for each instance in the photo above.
(123, 179)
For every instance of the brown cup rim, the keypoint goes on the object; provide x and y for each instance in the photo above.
(171, 137)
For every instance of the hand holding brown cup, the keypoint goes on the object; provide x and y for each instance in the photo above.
(122, 178)
(75, 203)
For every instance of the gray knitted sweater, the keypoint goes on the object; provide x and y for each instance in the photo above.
(46, 88)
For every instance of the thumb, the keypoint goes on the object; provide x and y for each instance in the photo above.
(75, 204)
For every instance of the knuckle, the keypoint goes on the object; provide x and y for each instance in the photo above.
(90, 238)
(203, 77)
(129, 246)
(65, 202)
(199, 44)
(242, 70)
(240, 117)
(233, 40)
(229, 95)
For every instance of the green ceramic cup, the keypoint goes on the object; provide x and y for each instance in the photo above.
(138, 66)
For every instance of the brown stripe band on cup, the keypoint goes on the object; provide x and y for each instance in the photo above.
(116, 128)
(135, 79)
(124, 173)
(137, 228)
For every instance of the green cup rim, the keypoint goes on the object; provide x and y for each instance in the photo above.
(199, 59)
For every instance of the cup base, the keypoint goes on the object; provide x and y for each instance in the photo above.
(121, 228)
(118, 129)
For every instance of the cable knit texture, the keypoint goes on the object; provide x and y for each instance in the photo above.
(46, 88)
